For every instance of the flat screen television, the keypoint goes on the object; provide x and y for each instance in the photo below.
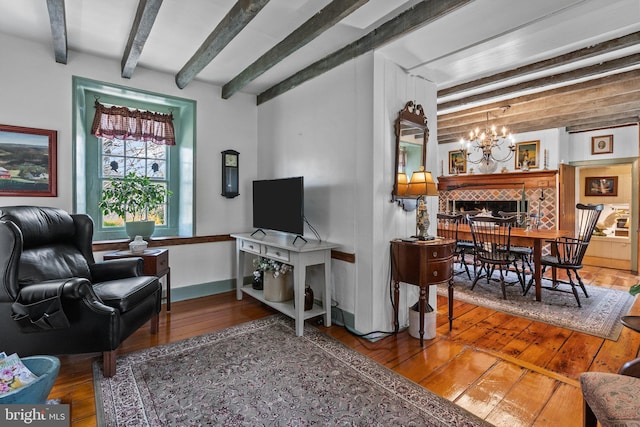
(278, 204)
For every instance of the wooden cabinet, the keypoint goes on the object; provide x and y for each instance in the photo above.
(422, 263)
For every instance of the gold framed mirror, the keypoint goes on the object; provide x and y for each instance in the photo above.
(412, 135)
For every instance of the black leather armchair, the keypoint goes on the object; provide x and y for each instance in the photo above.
(55, 299)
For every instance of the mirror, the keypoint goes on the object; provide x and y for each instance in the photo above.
(412, 135)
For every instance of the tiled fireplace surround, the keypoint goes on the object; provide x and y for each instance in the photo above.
(507, 186)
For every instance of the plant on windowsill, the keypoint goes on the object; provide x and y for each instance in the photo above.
(132, 198)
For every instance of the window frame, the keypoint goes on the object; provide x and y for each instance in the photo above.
(87, 154)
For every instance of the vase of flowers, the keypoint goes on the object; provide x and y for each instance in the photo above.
(277, 279)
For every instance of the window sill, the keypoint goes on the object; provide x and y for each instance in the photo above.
(123, 244)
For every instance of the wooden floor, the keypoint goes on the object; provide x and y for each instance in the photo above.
(507, 370)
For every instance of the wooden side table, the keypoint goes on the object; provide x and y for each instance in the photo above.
(422, 263)
(156, 263)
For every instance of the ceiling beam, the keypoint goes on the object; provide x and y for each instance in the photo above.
(142, 24)
(560, 78)
(238, 17)
(411, 19)
(632, 118)
(58, 22)
(610, 100)
(608, 46)
(312, 28)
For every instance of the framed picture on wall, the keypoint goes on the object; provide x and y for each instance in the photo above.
(457, 162)
(28, 161)
(601, 186)
(527, 152)
(602, 144)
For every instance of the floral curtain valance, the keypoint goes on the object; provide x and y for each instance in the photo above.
(123, 123)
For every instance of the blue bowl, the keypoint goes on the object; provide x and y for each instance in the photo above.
(46, 369)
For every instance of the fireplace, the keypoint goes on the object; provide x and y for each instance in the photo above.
(493, 206)
(502, 192)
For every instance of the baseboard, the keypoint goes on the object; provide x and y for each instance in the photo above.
(618, 264)
(183, 293)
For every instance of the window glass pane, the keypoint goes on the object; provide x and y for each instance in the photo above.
(132, 157)
(157, 169)
(156, 151)
(112, 166)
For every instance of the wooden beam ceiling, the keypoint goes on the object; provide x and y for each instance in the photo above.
(142, 24)
(312, 28)
(415, 17)
(58, 23)
(238, 17)
(629, 40)
(607, 101)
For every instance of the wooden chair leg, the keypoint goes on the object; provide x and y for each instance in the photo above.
(109, 363)
(155, 324)
(590, 419)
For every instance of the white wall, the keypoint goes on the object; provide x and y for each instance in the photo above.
(37, 92)
(337, 131)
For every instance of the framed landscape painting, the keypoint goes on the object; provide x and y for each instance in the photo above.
(457, 162)
(28, 161)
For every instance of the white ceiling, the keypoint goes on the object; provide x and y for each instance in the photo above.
(480, 39)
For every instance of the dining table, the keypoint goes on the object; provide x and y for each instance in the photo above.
(533, 238)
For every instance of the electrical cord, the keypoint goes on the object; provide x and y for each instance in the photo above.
(313, 230)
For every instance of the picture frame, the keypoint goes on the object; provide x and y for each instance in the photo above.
(601, 186)
(529, 150)
(28, 162)
(457, 162)
(602, 144)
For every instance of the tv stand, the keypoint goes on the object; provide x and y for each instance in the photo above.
(280, 247)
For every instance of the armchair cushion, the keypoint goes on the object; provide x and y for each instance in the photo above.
(613, 398)
(52, 262)
(125, 294)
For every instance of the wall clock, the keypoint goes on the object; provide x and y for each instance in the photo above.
(230, 173)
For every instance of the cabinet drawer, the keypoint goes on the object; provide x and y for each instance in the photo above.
(439, 271)
(276, 253)
(440, 252)
(248, 246)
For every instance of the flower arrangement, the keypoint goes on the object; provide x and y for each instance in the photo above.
(275, 267)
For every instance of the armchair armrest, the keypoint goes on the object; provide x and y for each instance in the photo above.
(40, 306)
(114, 269)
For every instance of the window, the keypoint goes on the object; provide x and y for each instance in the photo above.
(96, 160)
(119, 158)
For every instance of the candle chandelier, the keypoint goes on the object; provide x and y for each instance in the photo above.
(490, 144)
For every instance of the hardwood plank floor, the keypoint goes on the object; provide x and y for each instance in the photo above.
(507, 370)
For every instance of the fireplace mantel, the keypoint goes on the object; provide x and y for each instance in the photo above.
(530, 180)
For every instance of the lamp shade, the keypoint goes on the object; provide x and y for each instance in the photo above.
(403, 183)
(422, 184)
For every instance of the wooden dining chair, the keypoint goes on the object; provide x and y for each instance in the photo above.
(492, 244)
(523, 254)
(567, 252)
(448, 228)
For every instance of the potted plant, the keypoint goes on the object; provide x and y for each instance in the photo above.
(132, 198)
(277, 279)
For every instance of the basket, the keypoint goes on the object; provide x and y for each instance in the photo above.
(46, 369)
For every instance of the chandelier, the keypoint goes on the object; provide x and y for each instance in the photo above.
(490, 144)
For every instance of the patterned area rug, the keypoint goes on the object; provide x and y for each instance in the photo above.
(260, 374)
(599, 316)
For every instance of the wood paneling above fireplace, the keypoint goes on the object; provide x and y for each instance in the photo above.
(530, 180)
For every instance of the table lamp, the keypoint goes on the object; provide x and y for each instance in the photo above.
(421, 185)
